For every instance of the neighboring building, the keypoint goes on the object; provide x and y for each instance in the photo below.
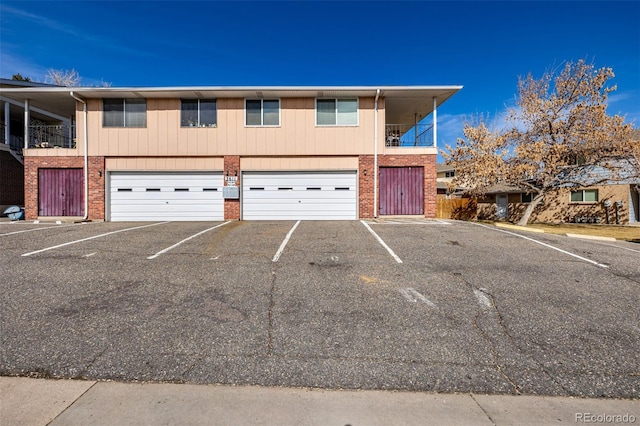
(445, 175)
(213, 153)
(587, 204)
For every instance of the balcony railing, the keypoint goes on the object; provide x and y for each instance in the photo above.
(409, 135)
(52, 136)
(16, 143)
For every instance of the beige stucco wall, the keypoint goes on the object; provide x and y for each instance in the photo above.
(296, 135)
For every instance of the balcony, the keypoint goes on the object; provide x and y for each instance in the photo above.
(409, 135)
(15, 142)
(52, 136)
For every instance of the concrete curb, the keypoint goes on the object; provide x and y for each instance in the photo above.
(519, 228)
(591, 237)
(75, 402)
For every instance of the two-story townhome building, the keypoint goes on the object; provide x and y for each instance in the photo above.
(214, 153)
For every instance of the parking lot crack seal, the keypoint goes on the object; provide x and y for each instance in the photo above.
(504, 329)
(494, 354)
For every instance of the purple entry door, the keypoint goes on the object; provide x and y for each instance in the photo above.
(401, 190)
(60, 192)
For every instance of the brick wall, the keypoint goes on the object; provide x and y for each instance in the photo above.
(366, 182)
(232, 167)
(96, 182)
(11, 180)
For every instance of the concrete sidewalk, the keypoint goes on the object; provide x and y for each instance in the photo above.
(26, 401)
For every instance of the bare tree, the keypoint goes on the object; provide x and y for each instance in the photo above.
(559, 135)
(67, 78)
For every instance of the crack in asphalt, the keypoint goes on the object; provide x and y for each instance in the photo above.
(485, 335)
(494, 353)
(512, 341)
(190, 369)
(86, 368)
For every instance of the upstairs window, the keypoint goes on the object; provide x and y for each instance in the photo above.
(198, 113)
(124, 112)
(262, 112)
(526, 197)
(336, 112)
(584, 196)
(450, 174)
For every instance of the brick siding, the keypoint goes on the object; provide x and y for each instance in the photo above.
(232, 167)
(96, 182)
(366, 182)
(11, 180)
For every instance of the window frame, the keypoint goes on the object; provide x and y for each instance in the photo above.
(262, 112)
(529, 195)
(198, 123)
(583, 192)
(336, 100)
(124, 112)
(450, 174)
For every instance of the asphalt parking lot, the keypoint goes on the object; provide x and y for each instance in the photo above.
(407, 305)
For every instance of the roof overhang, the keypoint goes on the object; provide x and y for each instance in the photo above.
(403, 104)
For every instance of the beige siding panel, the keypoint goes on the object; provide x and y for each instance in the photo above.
(186, 164)
(296, 135)
(299, 163)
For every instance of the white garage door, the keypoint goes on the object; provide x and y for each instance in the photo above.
(299, 195)
(151, 196)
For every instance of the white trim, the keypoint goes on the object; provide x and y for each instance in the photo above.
(262, 112)
(336, 112)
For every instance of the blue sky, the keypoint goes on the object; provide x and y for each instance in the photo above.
(483, 46)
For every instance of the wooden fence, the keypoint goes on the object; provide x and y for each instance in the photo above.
(457, 208)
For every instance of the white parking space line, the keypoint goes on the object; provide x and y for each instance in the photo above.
(36, 229)
(593, 262)
(92, 238)
(413, 296)
(395, 256)
(407, 222)
(90, 254)
(185, 240)
(620, 247)
(284, 243)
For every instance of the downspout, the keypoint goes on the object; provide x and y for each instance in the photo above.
(375, 155)
(86, 157)
(27, 120)
(435, 122)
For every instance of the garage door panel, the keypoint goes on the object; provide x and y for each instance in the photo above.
(299, 195)
(183, 196)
